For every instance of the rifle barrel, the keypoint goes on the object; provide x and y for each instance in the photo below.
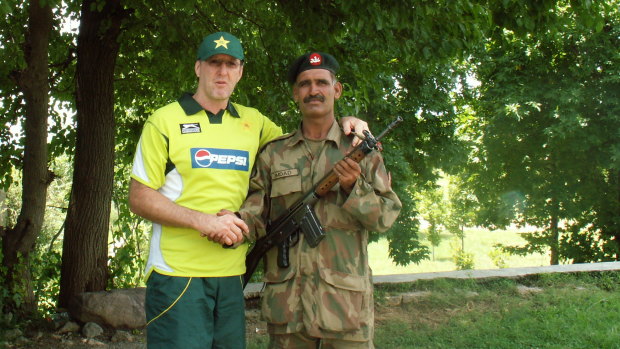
(389, 127)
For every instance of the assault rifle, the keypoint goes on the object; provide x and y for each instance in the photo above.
(301, 217)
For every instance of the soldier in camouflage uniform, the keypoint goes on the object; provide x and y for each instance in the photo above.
(324, 298)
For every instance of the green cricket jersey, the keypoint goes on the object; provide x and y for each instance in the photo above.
(203, 162)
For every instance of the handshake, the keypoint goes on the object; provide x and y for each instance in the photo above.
(224, 228)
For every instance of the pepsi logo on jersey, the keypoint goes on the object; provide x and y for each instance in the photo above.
(223, 159)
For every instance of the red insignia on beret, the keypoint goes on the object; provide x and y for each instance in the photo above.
(316, 59)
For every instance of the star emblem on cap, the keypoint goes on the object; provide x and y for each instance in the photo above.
(221, 42)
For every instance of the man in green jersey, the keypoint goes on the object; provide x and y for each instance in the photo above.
(193, 159)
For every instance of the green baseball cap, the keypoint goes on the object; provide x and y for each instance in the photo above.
(220, 42)
(312, 60)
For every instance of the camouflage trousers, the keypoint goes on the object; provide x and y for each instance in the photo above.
(303, 341)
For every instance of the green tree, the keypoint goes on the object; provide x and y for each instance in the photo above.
(433, 211)
(461, 206)
(85, 255)
(545, 149)
(31, 81)
(398, 58)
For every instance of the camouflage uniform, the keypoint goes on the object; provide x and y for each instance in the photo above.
(327, 290)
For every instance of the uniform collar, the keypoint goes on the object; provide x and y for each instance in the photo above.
(191, 107)
(334, 134)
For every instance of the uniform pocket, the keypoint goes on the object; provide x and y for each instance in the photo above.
(343, 301)
(279, 303)
(285, 182)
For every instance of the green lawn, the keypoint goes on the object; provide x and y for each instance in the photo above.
(559, 311)
(479, 242)
(579, 310)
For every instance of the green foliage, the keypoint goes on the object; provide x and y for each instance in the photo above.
(129, 235)
(461, 206)
(498, 256)
(544, 147)
(535, 139)
(45, 259)
(463, 260)
(381, 50)
(434, 233)
(5, 293)
(432, 209)
(47, 276)
(12, 107)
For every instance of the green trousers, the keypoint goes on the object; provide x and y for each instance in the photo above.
(186, 313)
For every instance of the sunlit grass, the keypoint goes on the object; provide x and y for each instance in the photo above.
(479, 242)
(566, 311)
(559, 310)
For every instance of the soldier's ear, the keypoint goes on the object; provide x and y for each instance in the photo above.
(338, 90)
(295, 94)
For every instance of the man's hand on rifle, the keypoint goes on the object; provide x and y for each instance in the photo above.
(347, 171)
(352, 124)
(223, 229)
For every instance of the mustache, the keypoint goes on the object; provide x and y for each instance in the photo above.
(314, 98)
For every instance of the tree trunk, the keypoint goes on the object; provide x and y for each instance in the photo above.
(617, 226)
(33, 82)
(554, 241)
(84, 259)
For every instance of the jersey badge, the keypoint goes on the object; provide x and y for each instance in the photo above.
(193, 127)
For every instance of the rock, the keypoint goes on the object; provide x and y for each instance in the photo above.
(37, 335)
(59, 319)
(22, 341)
(69, 327)
(12, 334)
(394, 301)
(471, 294)
(91, 330)
(119, 309)
(94, 342)
(414, 296)
(525, 290)
(122, 336)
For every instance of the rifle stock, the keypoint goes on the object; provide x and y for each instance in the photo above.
(301, 216)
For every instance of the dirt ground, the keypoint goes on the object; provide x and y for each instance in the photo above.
(47, 337)
(44, 336)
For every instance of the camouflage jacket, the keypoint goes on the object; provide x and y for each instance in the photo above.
(327, 289)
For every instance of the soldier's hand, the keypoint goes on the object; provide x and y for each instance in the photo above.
(348, 171)
(225, 212)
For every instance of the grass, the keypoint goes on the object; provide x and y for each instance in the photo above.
(479, 242)
(579, 310)
(566, 311)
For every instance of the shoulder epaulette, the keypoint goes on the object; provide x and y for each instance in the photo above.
(277, 139)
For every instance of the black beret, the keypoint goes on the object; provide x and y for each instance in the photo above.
(312, 60)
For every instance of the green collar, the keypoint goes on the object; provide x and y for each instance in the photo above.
(191, 107)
